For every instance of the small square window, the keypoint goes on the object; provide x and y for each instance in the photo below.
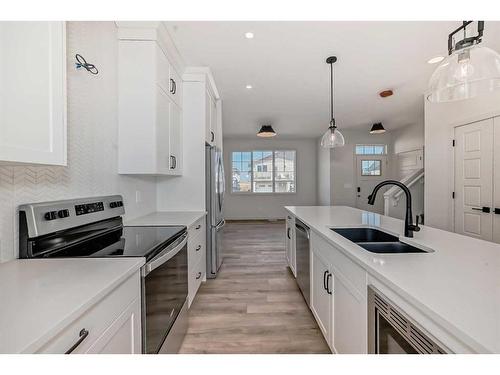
(371, 168)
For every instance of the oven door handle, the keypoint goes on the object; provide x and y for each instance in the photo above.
(166, 255)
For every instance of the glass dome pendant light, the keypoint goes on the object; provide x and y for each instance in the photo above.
(468, 71)
(332, 138)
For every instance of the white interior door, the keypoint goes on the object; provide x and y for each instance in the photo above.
(496, 185)
(474, 179)
(370, 170)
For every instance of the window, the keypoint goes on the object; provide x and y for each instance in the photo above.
(371, 149)
(263, 171)
(371, 168)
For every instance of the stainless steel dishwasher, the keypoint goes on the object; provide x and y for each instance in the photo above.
(302, 249)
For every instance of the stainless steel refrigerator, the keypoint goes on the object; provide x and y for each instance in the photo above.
(215, 189)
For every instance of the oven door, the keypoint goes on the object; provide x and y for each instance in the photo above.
(165, 289)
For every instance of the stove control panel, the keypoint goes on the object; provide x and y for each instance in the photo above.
(88, 208)
(116, 204)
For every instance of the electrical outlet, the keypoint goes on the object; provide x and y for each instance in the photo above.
(138, 197)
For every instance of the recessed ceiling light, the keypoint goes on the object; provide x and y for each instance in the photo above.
(249, 86)
(435, 60)
(249, 35)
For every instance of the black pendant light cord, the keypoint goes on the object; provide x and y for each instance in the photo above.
(331, 60)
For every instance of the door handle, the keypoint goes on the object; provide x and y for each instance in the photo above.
(213, 136)
(198, 275)
(171, 86)
(175, 87)
(486, 210)
(325, 287)
(497, 211)
(198, 248)
(288, 233)
(82, 336)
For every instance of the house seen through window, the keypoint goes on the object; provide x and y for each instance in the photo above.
(263, 171)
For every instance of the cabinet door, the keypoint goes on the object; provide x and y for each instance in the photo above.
(175, 139)
(123, 336)
(288, 242)
(496, 182)
(209, 132)
(163, 159)
(321, 300)
(33, 92)
(350, 321)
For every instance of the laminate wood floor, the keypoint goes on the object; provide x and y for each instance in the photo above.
(254, 304)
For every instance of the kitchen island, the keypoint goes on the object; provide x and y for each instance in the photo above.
(452, 291)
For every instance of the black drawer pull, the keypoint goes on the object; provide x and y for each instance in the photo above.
(497, 211)
(213, 136)
(198, 276)
(325, 287)
(83, 335)
(486, 210)
(328, 284)
(198, 248)
(198, 226)
(288, 233)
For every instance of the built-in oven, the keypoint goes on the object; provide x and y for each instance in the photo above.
(164, 300)
(390, 331)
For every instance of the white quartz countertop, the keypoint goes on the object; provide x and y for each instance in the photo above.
(159, 218)
(40, 297)
(457, 285)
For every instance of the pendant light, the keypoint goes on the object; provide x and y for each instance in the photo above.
(468, 71)
(266, 131)
(332, 138)
(377, 128)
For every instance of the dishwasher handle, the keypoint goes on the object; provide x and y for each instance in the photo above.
(303, 229)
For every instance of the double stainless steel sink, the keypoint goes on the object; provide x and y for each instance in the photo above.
(376, 241)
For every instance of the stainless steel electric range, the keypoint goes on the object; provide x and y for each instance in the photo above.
(93, 227)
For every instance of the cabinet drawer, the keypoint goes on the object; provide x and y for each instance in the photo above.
(197, 228)
(96, 320)
(196, 275)
(343, 266)
(196, 248)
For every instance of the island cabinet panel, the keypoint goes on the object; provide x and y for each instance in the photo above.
(343, 320)
(290, 243)
(349, 319)
(321, 299)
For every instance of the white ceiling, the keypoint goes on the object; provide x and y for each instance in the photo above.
(285, 64)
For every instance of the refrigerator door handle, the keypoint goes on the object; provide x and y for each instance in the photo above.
(220, 225)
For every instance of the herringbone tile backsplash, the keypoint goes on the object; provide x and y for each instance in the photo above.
(92, 141)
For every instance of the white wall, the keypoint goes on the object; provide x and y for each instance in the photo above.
(408, 138)
(270, 206)
(324, 178)
(343, 173)
(92, 141)
(440, 120)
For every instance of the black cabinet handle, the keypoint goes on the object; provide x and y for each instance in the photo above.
(171, 86)
(172, 162)
(328, 284)
(486, 210)
(83, 335)
(198, 248)
(175, 88)
(198, 226)
(325, 286)
(198, 276)
(497, 211)
(288, 233)
(213, 136)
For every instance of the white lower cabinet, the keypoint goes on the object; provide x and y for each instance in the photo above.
(111, 326)
(290, 243)
(197, 266)
(349, 319)
(338, 298)
(321, 297)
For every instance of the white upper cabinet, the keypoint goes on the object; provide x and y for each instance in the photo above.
(33, 92)
(149, 105)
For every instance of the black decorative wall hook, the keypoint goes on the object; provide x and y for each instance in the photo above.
(82, 63)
